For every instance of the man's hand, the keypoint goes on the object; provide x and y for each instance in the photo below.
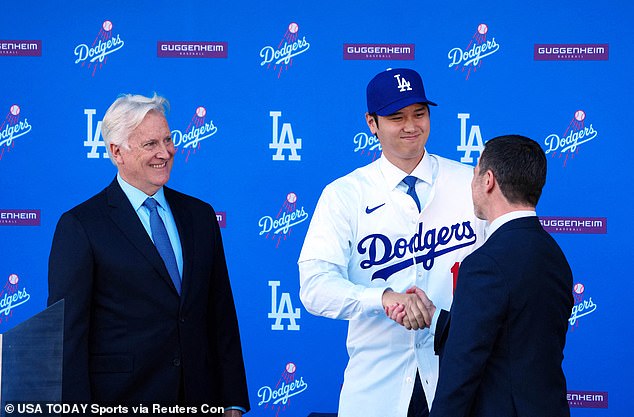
(416, 312)
(399, 312)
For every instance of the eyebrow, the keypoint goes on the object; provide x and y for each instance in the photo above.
(416, 110)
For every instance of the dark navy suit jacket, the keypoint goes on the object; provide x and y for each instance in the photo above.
(129, 337)
(501, 346)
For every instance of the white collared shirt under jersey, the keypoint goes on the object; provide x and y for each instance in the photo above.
(137, 198)
(367, 235)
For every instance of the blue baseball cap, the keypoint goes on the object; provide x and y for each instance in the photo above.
(391, 90)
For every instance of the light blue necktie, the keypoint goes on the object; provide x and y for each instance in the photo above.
(162, 242)
(410, 180)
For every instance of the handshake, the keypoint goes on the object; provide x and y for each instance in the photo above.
(411, 309)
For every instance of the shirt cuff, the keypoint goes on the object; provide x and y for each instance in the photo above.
(434, 321)
(372, 301)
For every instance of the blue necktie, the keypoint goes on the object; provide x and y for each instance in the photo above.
(162, 242)
(411, 189)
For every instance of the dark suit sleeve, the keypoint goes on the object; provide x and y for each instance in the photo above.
(477, 313)
(70, 271)
(225, 330)
(442, 330)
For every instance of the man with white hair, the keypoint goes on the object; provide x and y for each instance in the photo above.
(149, 312)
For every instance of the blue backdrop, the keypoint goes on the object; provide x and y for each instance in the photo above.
(268, 102)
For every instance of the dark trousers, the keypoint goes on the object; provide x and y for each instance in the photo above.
(418, 403)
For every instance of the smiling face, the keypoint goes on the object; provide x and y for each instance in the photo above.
(403, 135)
(146, 161)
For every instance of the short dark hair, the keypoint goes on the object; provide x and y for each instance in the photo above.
(519, 166)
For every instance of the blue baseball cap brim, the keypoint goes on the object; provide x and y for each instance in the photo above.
(401, 104)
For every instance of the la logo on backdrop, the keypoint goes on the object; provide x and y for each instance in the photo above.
(11, 296)
(278, 398)
(280, 58)
(575, 135)
(12, 128)
(479, 47)
(95, 55)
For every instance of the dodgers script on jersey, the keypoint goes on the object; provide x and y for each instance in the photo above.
(367, 235)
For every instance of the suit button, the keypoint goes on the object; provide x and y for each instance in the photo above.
(176, 362)
(182, 320)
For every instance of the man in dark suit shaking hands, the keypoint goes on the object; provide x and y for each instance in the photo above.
(501, 345)
(149, 312)
(505, 335)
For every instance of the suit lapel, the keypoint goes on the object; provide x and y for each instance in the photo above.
(122, 214)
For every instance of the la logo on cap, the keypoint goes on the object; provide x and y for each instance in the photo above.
(403, 84)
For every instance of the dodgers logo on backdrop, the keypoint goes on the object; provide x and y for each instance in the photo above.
(21, 48)
(367, 145)
(284, 140)
(471, 57)
(93, 137)
(575, 135)
(583, 305)
(288, 216)
(279, 397)
(198, 130)
(12, 128)
(423, 247)
(280, 58)
(96, 54)
(282, 309)
(474, 143)
(11, 297)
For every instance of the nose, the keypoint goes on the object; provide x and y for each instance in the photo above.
(409, 125)
(165, 150)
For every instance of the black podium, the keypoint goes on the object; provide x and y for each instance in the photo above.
(31, 360)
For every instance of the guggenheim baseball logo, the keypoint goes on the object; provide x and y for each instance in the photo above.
(575, 225)
(587, 399)
(280, 58)
(95, 55)
(185, 49)
(19, 217)
(12, 128)
(20, 48)
(571, 52)
(479, 47)
(377, 51)
(11, 296)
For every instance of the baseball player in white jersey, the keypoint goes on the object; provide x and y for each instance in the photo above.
(405, 220)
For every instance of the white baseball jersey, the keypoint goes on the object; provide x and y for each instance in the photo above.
(367, 235)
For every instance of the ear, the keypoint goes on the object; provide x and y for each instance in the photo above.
(489, 181)
(115, 151)
(371, 123)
